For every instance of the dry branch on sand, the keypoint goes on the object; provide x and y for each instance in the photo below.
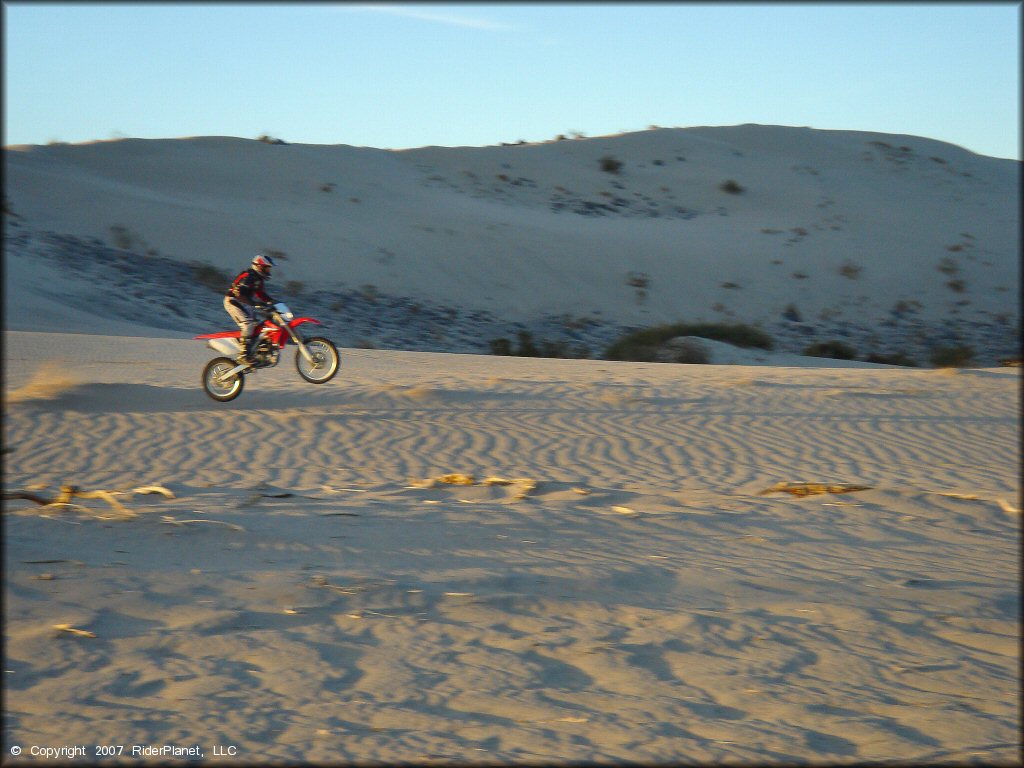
(68, 492)
(73, 631)
(812, 489)
(525, 484)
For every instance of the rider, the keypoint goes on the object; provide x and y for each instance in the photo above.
(245, 295)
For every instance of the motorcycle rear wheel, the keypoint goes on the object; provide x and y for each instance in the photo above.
(216, 386)
(325, 360)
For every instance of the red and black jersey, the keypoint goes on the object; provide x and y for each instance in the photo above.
(248, 288)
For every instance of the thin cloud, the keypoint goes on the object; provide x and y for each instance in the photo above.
(448, 19)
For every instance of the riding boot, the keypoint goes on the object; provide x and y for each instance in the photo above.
(248, 350)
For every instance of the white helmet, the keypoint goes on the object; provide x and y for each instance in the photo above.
(262, 264)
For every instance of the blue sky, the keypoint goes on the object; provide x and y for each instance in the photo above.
(410, 75)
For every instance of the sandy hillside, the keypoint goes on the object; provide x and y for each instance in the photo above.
(891, 243)
(497, 560)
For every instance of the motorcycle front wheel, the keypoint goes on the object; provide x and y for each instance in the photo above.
(325, 360)
(221, 388)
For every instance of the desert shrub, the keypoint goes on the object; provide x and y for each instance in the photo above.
(500, 346)
(893, 358)
(959, 356)
(549, 348)
(210, 276)
(294, 287)
(948, 266)
(582, 352)
(692, 357)
(270, 140)
(544, 348)
(904, 307)
(833, 349)
(792, 314)
(850, 270)
(642, 345)
(610, 165)
(731, 187)
(687, 351)
(122, 237)
(641, 281)
(571, 323)
(957, 285)
(524, 348)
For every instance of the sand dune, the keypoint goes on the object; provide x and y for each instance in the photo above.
(498, 560)
(893, 243)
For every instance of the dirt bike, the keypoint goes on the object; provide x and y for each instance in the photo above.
(316, 359)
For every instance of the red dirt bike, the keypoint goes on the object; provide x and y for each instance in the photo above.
(316, 359)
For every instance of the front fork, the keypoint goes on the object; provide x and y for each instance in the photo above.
(300, 344)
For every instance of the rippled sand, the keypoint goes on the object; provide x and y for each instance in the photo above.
(614, 578)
